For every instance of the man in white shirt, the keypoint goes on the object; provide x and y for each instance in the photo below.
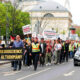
(57, 52)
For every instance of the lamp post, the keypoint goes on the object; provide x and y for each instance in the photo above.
(7, 23)
(0, 33)
(15, 5)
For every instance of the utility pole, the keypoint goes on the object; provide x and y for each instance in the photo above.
(7, 26)
(7, 22)
(0, 33)
(15, 5)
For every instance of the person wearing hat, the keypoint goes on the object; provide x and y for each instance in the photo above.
(36, 50)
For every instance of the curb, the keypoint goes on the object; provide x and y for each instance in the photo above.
(6, 62)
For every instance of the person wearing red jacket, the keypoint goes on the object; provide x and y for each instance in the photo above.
(48, 54)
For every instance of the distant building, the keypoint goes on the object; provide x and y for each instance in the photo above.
(26, 5)
(51, 15)
(47, 15)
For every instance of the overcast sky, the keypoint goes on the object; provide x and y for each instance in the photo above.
(75, 9)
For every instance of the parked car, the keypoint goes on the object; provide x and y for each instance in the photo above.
(77, 57)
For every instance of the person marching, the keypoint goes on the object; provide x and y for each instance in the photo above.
(71, 49)
(43, 52)
(25, 52)
(48, 54)
(78, 44)
(36, 50)
(57, 48)
(29, 55)
(75, 46)
(18, 43)
(66, 50)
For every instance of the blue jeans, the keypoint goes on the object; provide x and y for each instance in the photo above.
(25, 59)
(71, 54)
(17, 63)
(35, 60)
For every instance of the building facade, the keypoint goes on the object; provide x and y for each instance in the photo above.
(26, 5)
(47, 15)
(51, 15)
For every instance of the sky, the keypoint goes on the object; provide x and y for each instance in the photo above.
(74, 8)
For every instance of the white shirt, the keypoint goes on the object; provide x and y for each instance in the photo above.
(42, 47)
(56, 47)
(59, 46)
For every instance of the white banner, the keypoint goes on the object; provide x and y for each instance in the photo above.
(27, 29)
(50, 34)
(34, 34)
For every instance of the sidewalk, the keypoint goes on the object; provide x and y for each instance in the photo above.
(4, 62)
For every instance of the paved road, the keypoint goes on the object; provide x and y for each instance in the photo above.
(64, 71)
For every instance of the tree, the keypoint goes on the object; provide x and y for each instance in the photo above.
(11, 18)
(78, 32)
(2, 18)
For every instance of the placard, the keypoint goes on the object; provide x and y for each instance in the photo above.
(27, 29)
(11, 54)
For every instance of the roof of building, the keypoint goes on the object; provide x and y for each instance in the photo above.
(77, 27)
(49, 6)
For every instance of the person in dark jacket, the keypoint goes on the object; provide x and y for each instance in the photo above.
(29, 55)
(43, 51)
(36, 51)
(66, 51)
(25, 52)
(62, 53)
(10, 46)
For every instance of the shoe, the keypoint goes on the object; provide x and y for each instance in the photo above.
(43, 65)
(14, 69)
(25, 65)
(55, 63)
(31, 66)
(49, 64)
(35, 69)
(19, 69)
(28, 67)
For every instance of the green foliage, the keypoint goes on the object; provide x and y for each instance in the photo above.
(78, 32)
(11, 17)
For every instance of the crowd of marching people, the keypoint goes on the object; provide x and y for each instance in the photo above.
(43, 52)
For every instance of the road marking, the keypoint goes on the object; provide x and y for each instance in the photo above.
(33, 74)
(10, 73)
(69, 74)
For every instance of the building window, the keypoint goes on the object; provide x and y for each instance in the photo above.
(48, 15)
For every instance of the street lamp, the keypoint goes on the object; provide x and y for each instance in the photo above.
(0, 33)
(15, 5)
(7, 23)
